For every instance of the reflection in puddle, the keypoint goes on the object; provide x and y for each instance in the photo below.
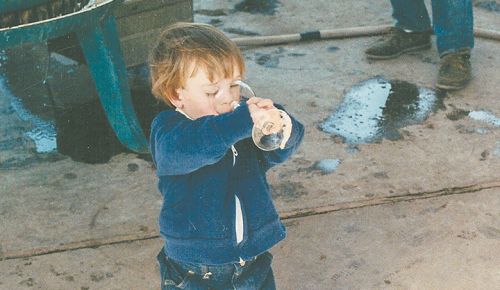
(81, 132)
(38, 126)
(43, 132)
(377, 108)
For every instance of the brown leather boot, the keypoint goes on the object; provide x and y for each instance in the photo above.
(398, 42)
(455, 70)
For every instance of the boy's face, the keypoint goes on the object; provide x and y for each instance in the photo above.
(201, 97)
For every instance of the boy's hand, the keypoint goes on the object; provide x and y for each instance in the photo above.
(263, 111)
(261, 103)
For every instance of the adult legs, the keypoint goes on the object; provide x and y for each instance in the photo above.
(453, 25)
(412, 31)
(411, 15)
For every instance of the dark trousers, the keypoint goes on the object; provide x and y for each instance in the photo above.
(452, 21)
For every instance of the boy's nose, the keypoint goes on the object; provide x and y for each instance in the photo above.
(227, 95)
(223, 96)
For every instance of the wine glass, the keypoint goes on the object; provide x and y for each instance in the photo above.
(262, 137)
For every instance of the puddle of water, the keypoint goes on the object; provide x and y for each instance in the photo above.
(267, 7)
(84, 134)
(269, 60)
(211, 12)
(81, 132)
(12, 143)
(296, 54)
(43, 132)
(215, 22)
(457, 114)
(485, 116)
(377, 108)
(77, 130)
(332, 48)
(327, 165)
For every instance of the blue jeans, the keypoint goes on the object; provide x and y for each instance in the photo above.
(253, 275)
(452, 19)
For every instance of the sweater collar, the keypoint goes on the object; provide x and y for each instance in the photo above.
(182, 112)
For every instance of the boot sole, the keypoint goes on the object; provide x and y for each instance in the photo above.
(411, 49)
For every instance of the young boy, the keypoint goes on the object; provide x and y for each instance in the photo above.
(218, 219)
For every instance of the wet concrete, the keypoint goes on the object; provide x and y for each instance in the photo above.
(211, 12)
(486, 117)
(377, 108)
(457, 114)
(43, 132)
(488, 5)
(290, 191)
(296, 54)
(332, 48)
(216, 22)
(267, 7)
(270, 60)
(24, 138)
(84, 134)
(80, 132)
(327, 166)
(240, 31)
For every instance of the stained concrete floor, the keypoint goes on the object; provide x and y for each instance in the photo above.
(420, 212)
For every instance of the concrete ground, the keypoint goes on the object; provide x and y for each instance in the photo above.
(416, 212)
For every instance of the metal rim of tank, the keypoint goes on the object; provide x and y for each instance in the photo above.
(8, 6)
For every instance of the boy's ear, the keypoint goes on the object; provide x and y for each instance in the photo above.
(177, 102)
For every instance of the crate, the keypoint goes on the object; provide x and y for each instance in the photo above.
(140, 21)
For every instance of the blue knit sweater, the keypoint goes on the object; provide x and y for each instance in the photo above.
(198, 181)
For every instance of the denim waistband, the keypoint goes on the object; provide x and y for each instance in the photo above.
(204, 270)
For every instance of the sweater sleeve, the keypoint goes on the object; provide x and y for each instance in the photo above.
(271, 158)
(180, 146)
